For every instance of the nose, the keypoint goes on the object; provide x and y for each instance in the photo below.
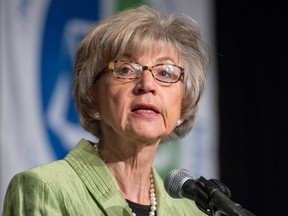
(146, 83)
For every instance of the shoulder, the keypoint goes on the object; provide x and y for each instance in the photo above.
(28, 191)
(48, 173)
(44, 178)
(54, 176)
(47, 189)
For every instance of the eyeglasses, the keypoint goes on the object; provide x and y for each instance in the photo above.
(127, 70)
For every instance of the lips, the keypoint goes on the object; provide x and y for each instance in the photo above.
(145, 108)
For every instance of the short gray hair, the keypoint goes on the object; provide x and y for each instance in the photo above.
(134, 30)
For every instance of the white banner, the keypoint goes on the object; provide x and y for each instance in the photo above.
(38, 119)
(23, 141)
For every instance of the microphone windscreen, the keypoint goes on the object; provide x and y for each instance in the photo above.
(174, 181)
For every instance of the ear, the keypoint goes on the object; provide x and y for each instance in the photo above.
(95, 113)
(179, 122)
(93, 109)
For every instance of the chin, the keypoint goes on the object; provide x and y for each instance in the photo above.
(149, 137)
(148, 132)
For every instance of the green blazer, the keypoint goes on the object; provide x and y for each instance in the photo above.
(81, 184)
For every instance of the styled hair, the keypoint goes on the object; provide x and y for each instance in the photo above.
(133, 31)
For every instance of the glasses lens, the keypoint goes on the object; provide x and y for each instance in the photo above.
(126, 70)
(167, 73)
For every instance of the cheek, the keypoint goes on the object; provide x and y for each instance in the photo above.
(175, 113)
(114, 103)
(175, 100)
(172, 102)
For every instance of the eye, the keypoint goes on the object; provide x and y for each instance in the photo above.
(124, 69)
(165, 73)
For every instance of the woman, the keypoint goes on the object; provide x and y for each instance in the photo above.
(138, 78)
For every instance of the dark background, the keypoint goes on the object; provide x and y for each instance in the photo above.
(252, 55)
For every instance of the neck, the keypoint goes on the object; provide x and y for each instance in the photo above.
(131, 169)
(135, 186)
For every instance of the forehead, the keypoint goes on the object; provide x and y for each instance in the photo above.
(155, 51)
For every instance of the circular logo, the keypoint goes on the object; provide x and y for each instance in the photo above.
(66, 24)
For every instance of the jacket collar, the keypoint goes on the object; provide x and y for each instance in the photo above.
(96, 176)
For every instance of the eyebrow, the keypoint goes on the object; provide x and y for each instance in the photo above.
(132, 58)
(128, 56)
(164, 58)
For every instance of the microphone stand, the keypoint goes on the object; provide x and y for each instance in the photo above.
(212, 196)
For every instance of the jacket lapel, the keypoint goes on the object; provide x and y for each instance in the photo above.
(95, 175)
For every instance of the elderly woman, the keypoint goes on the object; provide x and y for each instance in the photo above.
(138, 78)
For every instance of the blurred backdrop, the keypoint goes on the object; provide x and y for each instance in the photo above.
(38, 119)
(241, 127)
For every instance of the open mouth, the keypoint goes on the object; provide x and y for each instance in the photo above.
(145, 109)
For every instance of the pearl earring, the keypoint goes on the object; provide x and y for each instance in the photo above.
(97, 115)
(179, 122)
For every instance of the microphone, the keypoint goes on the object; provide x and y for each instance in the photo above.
(210, 196)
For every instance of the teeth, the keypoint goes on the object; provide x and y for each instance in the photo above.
(147, 111)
